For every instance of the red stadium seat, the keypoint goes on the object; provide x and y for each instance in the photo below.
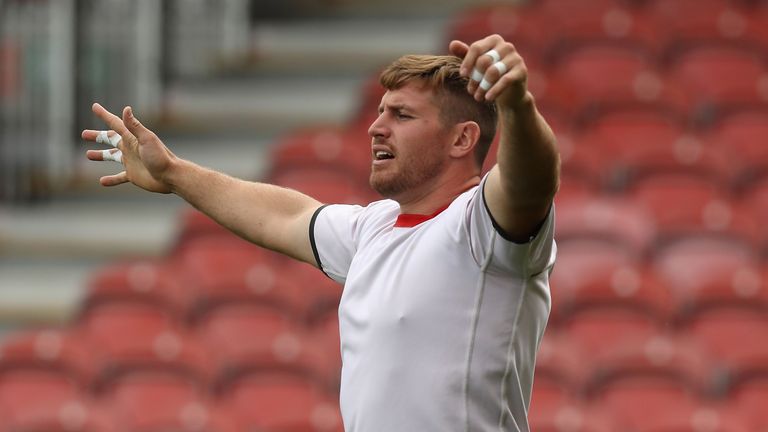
(731, 334)
(194, 224)
(637, 143)
(329, 186)
(591, 80)
(151, 402)
(282, 402)
(218, 271)
(527, 27)
(696, 419)
(755, 202)
(706, 22)
(245, 339)
(751, 398)
(132, 338)
(561, 368)
(600, 22)
(656, 374)
(56, 351)
(30, 394)
(609, 219)
(699, 71)
(570, 417)
(77, 414)
(742, 136)
(151, 282)
(335, 148)
(707, 273)
(684, 205)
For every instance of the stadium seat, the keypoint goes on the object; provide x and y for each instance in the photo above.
(583, 84)
(133, 338)
(326, 185)
(218, 271)
(706, 22)
(610, 219)
(151, 282)
(282, 402)
(699, 71)
(56, 351)
(754, 201)
(70, 415)
(741, 136)
(640, 143)
(751, 398)
(336, 148)
(684, 205)
(654, 374)
(526, 26)
(561, 367)
(704, 273)
(608, 22)
(570, 417)
(245, 339)
(152, 401)
(29, 394)
(704, 417)
(731, 335)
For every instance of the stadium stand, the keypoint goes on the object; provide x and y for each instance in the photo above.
(659, 296)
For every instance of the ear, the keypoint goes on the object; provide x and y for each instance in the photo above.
(466, 136)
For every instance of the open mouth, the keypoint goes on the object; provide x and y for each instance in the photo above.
(383, 155)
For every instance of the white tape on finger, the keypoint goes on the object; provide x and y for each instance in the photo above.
(485, 84)
(477, 75)
(107, 155)
(494, 55)
(104, 138)
(502, 68)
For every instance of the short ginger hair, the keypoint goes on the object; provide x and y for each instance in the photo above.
(441, 74)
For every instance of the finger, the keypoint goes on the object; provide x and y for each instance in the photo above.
(115, 179)
(111, 155)
(476, 50)
(516, 75)
(104, 137)
(114, 122)
(492, 75)
(134, 125)
(459, 49)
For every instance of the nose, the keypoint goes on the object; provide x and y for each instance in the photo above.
(378, 127)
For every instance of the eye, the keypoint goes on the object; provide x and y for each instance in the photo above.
(403, 116)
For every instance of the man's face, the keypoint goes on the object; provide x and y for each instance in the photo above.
(409, 142)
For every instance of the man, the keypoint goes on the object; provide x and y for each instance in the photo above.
(446, 290)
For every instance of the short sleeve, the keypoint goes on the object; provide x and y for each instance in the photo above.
(522, 259)
(332, 233)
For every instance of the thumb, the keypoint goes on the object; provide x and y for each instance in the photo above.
(458, 48)
(134, 125)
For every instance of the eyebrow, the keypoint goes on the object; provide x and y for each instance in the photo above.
(396, 107)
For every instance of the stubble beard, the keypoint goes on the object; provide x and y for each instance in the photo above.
(396, 182)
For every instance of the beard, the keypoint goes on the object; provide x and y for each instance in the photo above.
(397, 180)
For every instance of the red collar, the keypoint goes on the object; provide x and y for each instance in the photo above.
(408, 220)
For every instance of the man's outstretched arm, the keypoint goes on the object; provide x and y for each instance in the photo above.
(520, 188)
(270, 216)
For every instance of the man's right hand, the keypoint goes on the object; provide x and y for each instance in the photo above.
(147, 161)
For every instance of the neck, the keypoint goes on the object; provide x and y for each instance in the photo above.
(436, 197)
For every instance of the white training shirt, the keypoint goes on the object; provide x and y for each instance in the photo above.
(440, 320)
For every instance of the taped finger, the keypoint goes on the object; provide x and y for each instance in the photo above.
(108, 155)
(501, 67)
(494, 55)
(104, 138)
(485, 84)
(477, 76)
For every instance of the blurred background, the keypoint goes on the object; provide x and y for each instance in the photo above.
(126, 311)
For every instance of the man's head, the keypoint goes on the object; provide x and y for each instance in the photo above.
(456, 105)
